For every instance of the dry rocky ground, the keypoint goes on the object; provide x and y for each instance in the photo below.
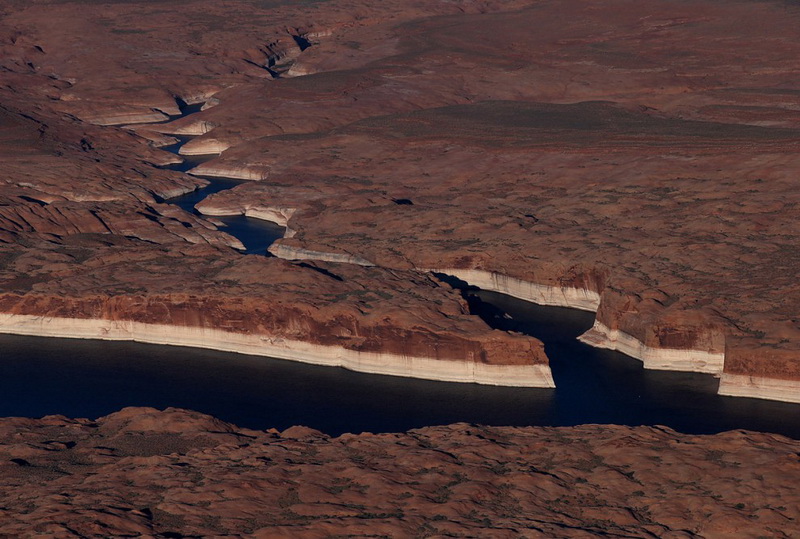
(181, 474)
(645, 151)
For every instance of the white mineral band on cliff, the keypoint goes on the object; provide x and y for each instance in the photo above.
(600, 336)
(216, 170)
(742, 385)
(126, 117)
(298, 253)
(575, 298)
(467, 370)
(203, 146)
(192, 129)
(664, 359)
(278, 215)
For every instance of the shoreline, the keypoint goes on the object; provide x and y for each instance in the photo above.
(278, 216)
(599, 336)
(759, 387)
(287, 252)
(553, 296)
(196, 146)
(232, 173)
(427, 368)
(123, 118)
(664, 359)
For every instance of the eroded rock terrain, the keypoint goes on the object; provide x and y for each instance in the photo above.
(638, 159)
(141, 471)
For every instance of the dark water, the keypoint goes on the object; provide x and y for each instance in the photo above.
(256, 234)
(603, 386)
(91, 378)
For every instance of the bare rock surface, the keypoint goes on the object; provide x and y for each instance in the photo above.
(86, 228)
(176, 472)
(677, 261)
(623, 150)
(645, 152)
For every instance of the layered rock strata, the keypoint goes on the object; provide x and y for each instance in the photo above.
(654, 295)
(91, 250)
(471, 367)
(364, 319)
(658, 357)
(574, 298)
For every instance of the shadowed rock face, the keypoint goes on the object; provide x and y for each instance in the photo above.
(643, 152)
(141, 471)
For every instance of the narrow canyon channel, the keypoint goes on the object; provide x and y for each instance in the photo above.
(86, 378)
(255, 234)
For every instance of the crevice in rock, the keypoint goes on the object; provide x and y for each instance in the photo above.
(32, 200)
(323, 271)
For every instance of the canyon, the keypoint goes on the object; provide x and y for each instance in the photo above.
(638, 161)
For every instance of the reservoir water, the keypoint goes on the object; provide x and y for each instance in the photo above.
(91, 378)
(84, 378)
(256, 234)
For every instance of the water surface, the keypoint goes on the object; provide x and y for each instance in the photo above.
(76, 378)
(256, 234)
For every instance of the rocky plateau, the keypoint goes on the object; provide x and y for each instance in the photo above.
(645, 154)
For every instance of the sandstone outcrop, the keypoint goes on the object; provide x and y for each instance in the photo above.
(634, 159)
(365, 319)
(149, 472)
